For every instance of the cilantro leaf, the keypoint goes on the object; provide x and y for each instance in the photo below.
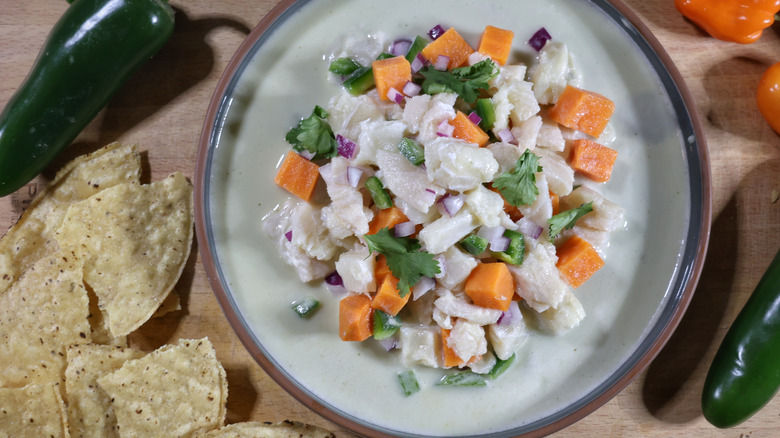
(314, 134)
(518, 186)
(465, 81)
(565, 220)
(404, 258)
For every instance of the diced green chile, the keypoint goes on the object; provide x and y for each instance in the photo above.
(343, 66)
(362, 79)
(418, 44)
(305, 307)
(463, 378)
(90, 53)
(385, 325)
(486, 112)
(409, 383)
(515, 253)
(412, 150)
(378, 193)
(474, 245)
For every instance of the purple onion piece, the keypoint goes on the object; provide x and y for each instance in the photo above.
(400, 47)
(436, 31)
(404, 229)
(411, 89)
(418, 63)
(334, 279)
(442, 62)
(445, 129)
(475, 118)
(491, 233)
(529, 228)
(450, 204)
(499, 244)
(424, 285)
(307, 154)
(389, 343)
(288, 235)
(505, 135)
(539, 39)
(353, 175)
(395, 96)
(346, 147)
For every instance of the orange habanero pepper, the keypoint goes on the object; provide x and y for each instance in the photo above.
(740, 21)
(768, 96)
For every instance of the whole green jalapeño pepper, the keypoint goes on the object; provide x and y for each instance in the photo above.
(90, 53)
(745, 373)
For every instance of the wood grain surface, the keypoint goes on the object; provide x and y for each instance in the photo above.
(163, 106)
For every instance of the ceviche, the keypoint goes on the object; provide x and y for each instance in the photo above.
(449, 197)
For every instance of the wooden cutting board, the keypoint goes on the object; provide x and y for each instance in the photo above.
(163, 106)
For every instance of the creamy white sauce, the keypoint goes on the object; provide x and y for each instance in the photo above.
(284, 82)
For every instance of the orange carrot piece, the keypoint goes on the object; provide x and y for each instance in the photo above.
(355, 314)
(592, 159)
(388, 298)
(386, 218)
(514, 213)
(467, 130)
(298, 176)
(577, 261)
(556, 203)
(391, 73)
(582, 110)
(496, 43)
(381, 270)
(450, 44)
(491, 285)
(449, 357)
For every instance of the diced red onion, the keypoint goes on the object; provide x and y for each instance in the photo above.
(418, 63)
(499, 244)
(400, 47)
(404, 229)
(288, 235)
(450, 204)
(511, 316)
(539, 39)
(346, 147)
(334, 279)
(353, 175)
(491, 233)
(445, 129)
(389, 343)
(475, 118)
(505, 135)
(424, 285)
(442, 62)
(395, 95)
(436, 31)
(307, 154)
(529, 228)
(429, 196)
(411, 89)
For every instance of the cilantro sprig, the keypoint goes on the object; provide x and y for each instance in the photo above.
(404, 258)
(518, 186)
(466, 81)
(565, 220)
(314, 134)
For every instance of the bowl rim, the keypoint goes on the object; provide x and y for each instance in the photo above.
(690, 277)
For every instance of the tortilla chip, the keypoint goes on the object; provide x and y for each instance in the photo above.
(89, 407)
(40, 314)
(176, 390)
(32, 411)
(136, 240)
(284, 429)
(32, 237)
(100, 332)
(172, 303)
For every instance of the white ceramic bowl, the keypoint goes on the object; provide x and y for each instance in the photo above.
(633, 304)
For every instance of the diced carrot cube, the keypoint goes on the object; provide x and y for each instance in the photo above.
(298, 176)
(578, 260)
(556, 203)
(386, 218)
(592, 159)
(582, 110)
(514, 213)
(491, 285)
(449, 44)
(388, 298)
(381, 270)
(467, 130)
(391, 73)
(449, 357)
(355, 313)
(496, 43)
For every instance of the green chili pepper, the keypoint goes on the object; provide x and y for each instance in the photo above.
(90, 53)
(745, 373)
